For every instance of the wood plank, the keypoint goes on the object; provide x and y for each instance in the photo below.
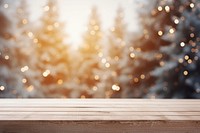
(110, 109)
(141, 109)
(100, 127)
(99, 115)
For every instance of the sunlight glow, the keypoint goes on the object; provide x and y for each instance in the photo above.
(75, 14)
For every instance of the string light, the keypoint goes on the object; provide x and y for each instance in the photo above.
(56, 24)
(176, 21)
(46, 73)
(172, 30)
(192, 5)
(24, 69)
(103, 60)
(5, 5)
(180, 60)
(100, 54)
(6, 57)
(96, 77)
(167, 9)
(160, 8)
(132, 55)
(192, 35)
(35, 40)
(186, 57)
(60, 81)
(189, 61)
(30, 34)
(46, 8)
(24, 80)
(94, 88)
(185, 73)
(24, 21)
(115, 88)
(107, 65)
(116, 58)
(182, 44)
(136, 80)
(131, 49)
(142, 76)
(162, 63)
(2, 88)
(160, 33)
(30, 88)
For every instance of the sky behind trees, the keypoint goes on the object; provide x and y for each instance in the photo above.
(75, 14)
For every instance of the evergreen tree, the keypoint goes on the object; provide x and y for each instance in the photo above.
(25, 48)
(52, 54)
(116, 78)
(179, 75)
(145, 51)
(88, 74)
(11, 84)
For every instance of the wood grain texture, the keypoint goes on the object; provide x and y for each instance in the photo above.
(99, 115)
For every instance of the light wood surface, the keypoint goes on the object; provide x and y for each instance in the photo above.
(99, 115)
(99, 109)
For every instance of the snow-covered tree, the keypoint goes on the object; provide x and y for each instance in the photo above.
(52, 53)
(178, 76)
(90, 51)
(25, 48)
(11, 79)
(115, 61)
(146, 50)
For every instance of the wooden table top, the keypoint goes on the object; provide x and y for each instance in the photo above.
(99, 109)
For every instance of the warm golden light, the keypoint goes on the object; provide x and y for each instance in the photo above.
(24, 69)
(160, 33)
(167, 8)
(142, 76)
(176, 21)
(115, 87)
(180, 60)
(2, 88)
(132, 55)
(30, 88)
(30, 34)
(46, 8)
(5, 6)
(96, 77)
(185, 73)
(192, 5)
(186, 57)
(24, 21)
(107, 65)
(24, 80)
(7, 57)
(94, 88)
(46, 73)
(136, 80)
(103, 60)
(172, 30)
(160, 8)
(182, 44)
(60, 81)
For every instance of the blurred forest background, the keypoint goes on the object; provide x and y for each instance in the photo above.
(162, 60)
